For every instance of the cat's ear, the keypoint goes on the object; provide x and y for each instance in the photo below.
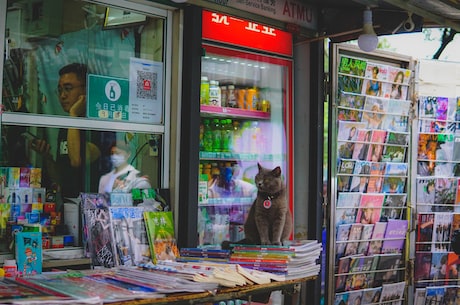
(259, 166)
(276, 171)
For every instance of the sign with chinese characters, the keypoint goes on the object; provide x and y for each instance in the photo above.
(241, 32)
(107, 98)
(289, 11)
(139, 99)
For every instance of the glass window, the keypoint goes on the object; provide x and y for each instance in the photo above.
(83, 89)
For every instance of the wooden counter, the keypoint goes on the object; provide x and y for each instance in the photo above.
(252, 293)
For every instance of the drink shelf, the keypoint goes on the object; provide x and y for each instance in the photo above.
(207, 155)
(228, 201)
(227, 112)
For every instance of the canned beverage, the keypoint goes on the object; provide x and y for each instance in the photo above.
(265, 106)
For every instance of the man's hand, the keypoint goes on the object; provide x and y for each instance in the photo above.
(79, 108)
(41, 146)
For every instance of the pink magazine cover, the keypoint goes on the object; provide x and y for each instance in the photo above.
(369, 208)
(397, 83)
(362, 144)
(395, 236)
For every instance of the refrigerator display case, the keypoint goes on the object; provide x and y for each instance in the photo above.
(245, 118)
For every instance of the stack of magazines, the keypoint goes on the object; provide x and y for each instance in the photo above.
(296, 259)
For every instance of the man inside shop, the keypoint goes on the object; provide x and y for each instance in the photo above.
(66, 172)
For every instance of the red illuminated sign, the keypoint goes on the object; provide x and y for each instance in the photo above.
(241, 32)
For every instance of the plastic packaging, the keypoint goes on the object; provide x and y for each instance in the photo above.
(10, 267)
(204, 91)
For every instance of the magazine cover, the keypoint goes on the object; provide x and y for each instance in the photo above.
(97, 231)
(28, 252)
(360, 176)
(129, 235)
(371, 295)
(362, 144)
(359, 276)
(422, 270)
(393, 206)
(374, 77)
(393, 185)
(397, 138)
(366, 235)
(439, 267)
(456, 148)
(397, 85)
(345, 172)
(347, 207)
(352, 66)
(425, 190)
(351, 100)
(353, 239)
(376, 177)
(387, 269)
(341, 239)
(395, 236)
(369, 209)
(393, 153)
(397, 116)
(427, 146)
(427, 106)
(424, 232)
(161, 235)
(349, 83)
(349, 115)
(342, 272)
(442, 225)
(346, 137)
(375, 244)
(396, 169)
(434, 295)
(378, 136)
(444, 195)
(341, 298)
(355, 297)
(374, 112)
(392, 292)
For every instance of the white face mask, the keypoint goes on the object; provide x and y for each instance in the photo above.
(117, 160)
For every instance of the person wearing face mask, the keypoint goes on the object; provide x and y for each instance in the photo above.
(123, 177)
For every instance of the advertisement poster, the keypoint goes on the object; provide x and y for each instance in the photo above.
(107, 98)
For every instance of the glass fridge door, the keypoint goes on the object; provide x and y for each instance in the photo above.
(243, 123)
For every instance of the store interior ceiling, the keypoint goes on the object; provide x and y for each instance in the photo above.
(342, 20)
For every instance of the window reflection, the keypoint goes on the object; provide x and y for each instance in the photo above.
(48, 149)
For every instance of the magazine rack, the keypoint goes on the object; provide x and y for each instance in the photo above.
(436, 186)
(369, 176)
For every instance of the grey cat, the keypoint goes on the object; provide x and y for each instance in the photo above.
(269, 221)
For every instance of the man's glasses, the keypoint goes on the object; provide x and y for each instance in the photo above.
(66, 89)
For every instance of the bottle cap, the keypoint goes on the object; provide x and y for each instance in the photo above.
(204, 78)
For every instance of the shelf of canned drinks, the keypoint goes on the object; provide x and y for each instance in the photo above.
(234, 112)
(208, 155)
(227, 201)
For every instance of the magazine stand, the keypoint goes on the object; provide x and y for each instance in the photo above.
(369, 176)
(436, 185)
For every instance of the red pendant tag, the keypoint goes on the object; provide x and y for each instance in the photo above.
(267, 203)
